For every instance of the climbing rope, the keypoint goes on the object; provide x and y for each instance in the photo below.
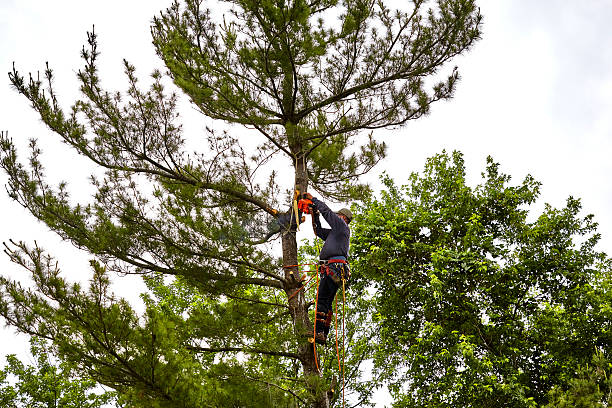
(304, 286)
(343, 334)
(341, 365)
(314, 327)
(337, 349)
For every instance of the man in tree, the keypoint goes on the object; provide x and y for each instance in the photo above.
(304, 87)
(332, 260)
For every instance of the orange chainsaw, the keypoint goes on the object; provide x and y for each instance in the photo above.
(305, 206)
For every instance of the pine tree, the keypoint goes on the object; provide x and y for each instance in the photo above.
(284, 77)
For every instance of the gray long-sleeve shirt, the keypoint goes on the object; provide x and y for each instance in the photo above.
(337, 239)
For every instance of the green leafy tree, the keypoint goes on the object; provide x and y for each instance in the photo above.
(47, 384)
(477, 302)
(299, 81)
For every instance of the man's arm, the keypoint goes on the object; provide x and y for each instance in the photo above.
(317, 228)
(331, 217)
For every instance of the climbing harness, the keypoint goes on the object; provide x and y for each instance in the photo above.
(332, 272)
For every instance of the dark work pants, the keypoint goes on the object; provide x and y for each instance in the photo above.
(327, 293)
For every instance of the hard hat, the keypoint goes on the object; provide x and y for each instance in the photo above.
(347, 213)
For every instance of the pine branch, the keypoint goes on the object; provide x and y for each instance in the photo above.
(277, 386)
(244, 350)
(257, 301)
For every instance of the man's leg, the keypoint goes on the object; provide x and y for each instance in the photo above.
(330, 306)
(327, 291)
(336, 278)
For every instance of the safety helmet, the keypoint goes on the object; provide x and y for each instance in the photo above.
(347, 213)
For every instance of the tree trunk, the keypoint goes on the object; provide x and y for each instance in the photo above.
(298, 304)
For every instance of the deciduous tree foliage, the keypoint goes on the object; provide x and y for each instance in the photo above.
(478, 302)
(301, 79)
(47, 383)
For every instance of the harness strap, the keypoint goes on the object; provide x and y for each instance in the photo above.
(336, 275)
(330, 261)
(321, 318)
(328, 318)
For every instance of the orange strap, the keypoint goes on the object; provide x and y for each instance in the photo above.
(314, 329)
(343, 336)
(293, 266)
(303, 287)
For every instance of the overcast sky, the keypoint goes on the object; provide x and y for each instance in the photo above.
(535, 94)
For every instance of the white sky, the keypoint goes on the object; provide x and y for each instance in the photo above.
(535, 94)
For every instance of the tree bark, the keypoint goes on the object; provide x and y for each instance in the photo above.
(298, 304)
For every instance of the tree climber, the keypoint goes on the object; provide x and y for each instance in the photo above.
(333, 264)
